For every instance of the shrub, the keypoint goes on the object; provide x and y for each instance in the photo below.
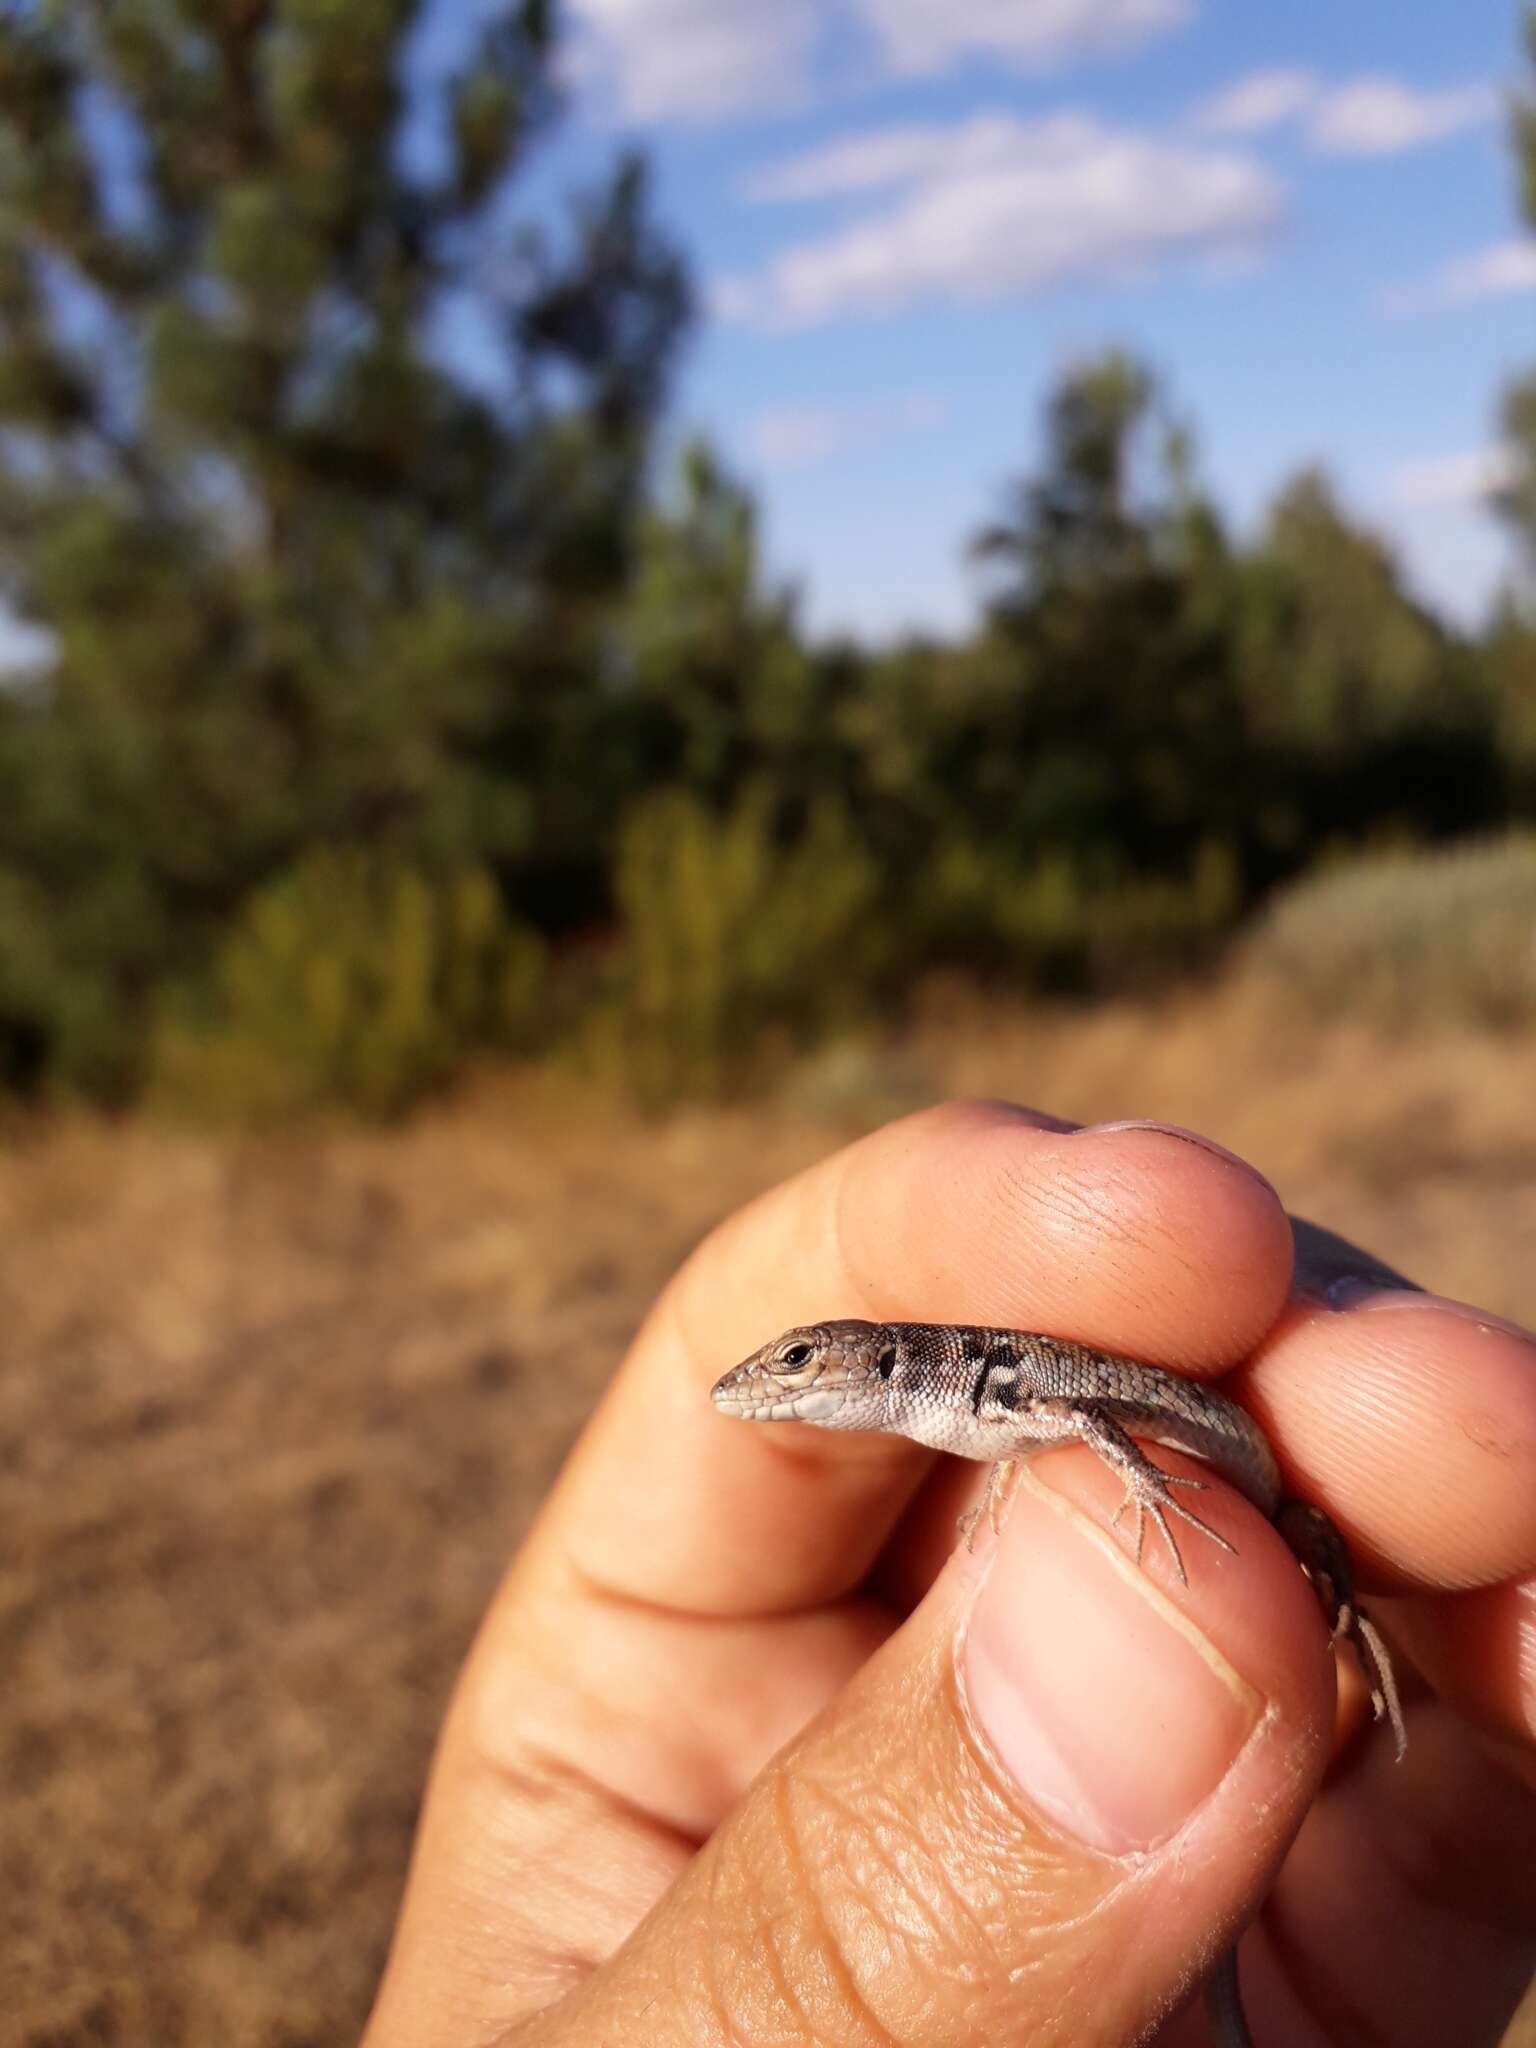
(1408, 936)
(1057, 926)
(64, 1026)
(353, 982)
(734, 940)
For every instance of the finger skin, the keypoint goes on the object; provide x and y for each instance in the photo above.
(1444, 1838)
(1479, 1651)
(694, 1592)
(1134, 1240)
(891, 1879)
(1413, 1423)
(612, 1699)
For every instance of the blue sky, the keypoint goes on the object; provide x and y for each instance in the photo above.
(907, 215)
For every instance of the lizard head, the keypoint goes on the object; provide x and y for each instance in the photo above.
(834, 1374)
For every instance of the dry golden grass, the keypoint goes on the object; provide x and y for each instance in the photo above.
(274, 1412)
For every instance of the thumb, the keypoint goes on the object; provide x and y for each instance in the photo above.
(1040, 1812)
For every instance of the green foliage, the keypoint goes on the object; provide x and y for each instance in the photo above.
(1516, 497)
(308, 582)
(1510, 659)
(717, 675)
(1335, 650)
(1108, 487)
(61, 1025)
(1524, 130)
(356, 982)
(737, 939)
(1364, 716)
(1059, 926)
(1405, 938)
(311, 586)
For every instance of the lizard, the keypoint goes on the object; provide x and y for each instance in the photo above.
(999, 1395)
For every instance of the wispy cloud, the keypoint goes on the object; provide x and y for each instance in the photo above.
(1505, 267)
(702, 60)
(1469, 477)
(1264, 99)
(1486, 274)
(800, 437)
(696, 60)
(1033, 35)
(1374, 116)
(997, 207)
(1380, 116)
(885, 157)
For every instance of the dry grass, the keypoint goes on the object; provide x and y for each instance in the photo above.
(274, 1413)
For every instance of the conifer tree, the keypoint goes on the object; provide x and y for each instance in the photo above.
(320, 448)
(1517, 499)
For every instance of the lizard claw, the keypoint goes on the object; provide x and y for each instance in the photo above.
(1166, 1533)
(1131, 1500)
(993, 1503)
(1151, 1493)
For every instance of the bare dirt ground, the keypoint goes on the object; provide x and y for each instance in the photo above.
(273, 1412)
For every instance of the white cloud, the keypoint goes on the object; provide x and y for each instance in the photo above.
(996, 207)
(1264, 99)
(696, 60)
(1380, 116)
(799, 437)
(1469, 477)
(699, 60)
(892, 156)
(1364, 117)
(1505, 267)
(1488, 273)
(1033, 35)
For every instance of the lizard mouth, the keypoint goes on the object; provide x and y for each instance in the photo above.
(775, 1404)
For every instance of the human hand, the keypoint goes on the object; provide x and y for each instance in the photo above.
(748, 1752)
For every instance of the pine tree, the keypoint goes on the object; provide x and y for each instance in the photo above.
(320, 450)
(1115, 698)
(1517, 497)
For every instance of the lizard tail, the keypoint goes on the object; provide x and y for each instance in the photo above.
(1323, 1555)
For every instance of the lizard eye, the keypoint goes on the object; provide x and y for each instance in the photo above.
(797, 1354)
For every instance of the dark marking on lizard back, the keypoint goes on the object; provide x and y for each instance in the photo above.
(1005, 1389)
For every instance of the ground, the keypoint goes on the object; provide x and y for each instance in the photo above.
(274, 1411)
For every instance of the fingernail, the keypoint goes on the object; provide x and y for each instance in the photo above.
(1188, 1138)
(1354, 1290)
(1335, 1272)
(1361, 1297)
(1348, 1290)
(1114, 1714)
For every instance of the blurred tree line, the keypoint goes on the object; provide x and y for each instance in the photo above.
(395, 709)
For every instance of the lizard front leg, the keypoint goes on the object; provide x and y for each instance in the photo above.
(994, 1499)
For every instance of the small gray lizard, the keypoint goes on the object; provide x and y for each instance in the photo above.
(998, 1396)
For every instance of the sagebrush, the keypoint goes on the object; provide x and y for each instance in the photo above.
(1406, 937)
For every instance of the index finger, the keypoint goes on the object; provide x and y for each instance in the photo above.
(1134, 1238)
